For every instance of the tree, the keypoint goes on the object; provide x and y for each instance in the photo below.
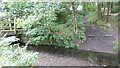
(108, 11)
(111, 5)
(119, 11)
(99, 11)
(104, 7)
(74, 19)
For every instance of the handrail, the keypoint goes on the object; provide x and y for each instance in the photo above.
(6, 17)
(10, 26)
(6, 22)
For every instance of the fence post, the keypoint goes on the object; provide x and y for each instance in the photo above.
(14, 25)
(10, 24)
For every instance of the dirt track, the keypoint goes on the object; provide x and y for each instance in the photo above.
(99, 40)
(47, 59)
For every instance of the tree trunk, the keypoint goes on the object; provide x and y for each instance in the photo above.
(119, 30)
(119, 11)
(84, 7)
(74, 19)
(102, 5)
(104, 8)
(108, 11)
(111, 5)
(99, 11)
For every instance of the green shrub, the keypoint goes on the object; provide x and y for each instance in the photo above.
(82, 12)
(114, 9)
(13, 55)
(88, 7)
(44, 29)
(92, 17)
(116, 46)
(8, 40)
(92, 8)
(62, 15)
(46, 25)
(18, 9)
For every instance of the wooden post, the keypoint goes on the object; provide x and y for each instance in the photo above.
(108, 11)
(14, 26)
(10, 24)
(99, 11)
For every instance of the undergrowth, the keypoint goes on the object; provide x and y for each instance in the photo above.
(116, 46)
(14, 55)
(99, 23)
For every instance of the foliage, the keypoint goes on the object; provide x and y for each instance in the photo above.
(94, 21)
(116, 46)
(114, 9)
(92, 17)
(99, 23)
(43, 27)
(8, 40)
(62, 11)
(82, 12)
(92, 7)
(88, 8)
(47, 22)
(62, 15)
(18, 9)
(13, 55)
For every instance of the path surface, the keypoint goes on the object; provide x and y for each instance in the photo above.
(48, 59)
(99, 40)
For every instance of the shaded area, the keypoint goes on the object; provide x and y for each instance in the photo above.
(82, 56)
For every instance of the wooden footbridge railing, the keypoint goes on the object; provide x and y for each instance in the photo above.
(106, 10)
(11, 26)
(11, 29)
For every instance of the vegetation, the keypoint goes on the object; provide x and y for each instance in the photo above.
(14, 55)
(117, 46)
(51, 23)
(54, 23)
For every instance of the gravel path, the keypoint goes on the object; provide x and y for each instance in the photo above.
(47, 59)
(99, 40)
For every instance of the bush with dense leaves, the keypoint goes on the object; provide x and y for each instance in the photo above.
(43, 28)
(17, 9)
(116, 46)
(114, 9)
(49, 23)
